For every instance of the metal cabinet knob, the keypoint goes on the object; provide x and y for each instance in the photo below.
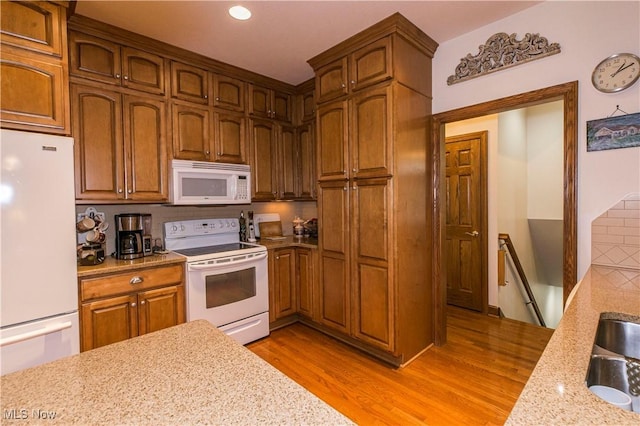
(142, 303)
(117, 75)
(206, 152)
(353, 82)
(126, 77)
(120, 190)
(133, 305)
(206, 96)
(343, 85)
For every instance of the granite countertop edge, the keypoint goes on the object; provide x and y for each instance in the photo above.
(187, 374)
(556, 392)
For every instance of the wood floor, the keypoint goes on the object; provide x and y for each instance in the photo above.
(475, 379)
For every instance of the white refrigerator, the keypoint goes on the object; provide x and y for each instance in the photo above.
(38, 277)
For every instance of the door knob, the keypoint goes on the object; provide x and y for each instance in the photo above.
(473, 234)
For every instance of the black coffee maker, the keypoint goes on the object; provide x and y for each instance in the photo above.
(129, 235)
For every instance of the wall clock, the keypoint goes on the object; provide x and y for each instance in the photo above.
(616, 73)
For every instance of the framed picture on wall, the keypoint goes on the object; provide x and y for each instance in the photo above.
(613, 132)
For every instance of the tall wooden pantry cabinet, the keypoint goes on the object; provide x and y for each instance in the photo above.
(373, 131)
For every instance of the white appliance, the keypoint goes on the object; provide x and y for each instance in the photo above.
(227, 280)
(207, 183)
(38, 277)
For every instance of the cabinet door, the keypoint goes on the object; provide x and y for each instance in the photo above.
(281, 106)
(97, 131)
(146, 176)
(332, 141)
(371, 135)
(260, 101)
(228, 93)
(284, 275)
(142, 71)
(34, 26)
(189, 83)
(306, 170)
(230, 140)
(372, 292)
(108, 321)
(160, 308)
(308, 106)
(371, 64)
(304, 281)
(333, 233)
(191, 127)
(263, 160)
(288, 163)
(331, 81)
(34, 93)
(94, 58)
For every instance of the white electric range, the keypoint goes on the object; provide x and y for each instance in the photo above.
(227, 280)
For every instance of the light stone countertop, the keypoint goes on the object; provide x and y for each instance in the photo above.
(289, 241)
(556, 393)
(113, 265)
(184, 375)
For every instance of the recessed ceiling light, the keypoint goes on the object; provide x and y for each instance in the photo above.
(241, 13)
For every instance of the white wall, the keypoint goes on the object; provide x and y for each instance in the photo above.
(587, 35)
(545, 165)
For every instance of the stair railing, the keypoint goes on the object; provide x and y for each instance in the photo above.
(523, 277)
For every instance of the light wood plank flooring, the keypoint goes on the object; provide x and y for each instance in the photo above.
(475, 379)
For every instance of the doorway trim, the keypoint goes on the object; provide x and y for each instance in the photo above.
(567, 92)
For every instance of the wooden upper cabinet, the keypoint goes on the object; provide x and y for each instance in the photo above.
(34, 94)
(332, 143)
(108, 62)
(371, 136)
(33, 65)
(362, 68)
(306, 168)
(228, 93)
(331, 80)
(371, 64)
(230, 137)
(37, 26)
(263, 160)
(282, 106)
(189, 83)
(120, 146)
(97, 130)
(146, 169)
(288, 163)
(268, 103)
(308, 106)
(191, 131)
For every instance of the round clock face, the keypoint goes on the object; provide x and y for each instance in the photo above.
(616, 73)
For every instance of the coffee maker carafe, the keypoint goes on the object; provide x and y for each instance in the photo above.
(129, 236)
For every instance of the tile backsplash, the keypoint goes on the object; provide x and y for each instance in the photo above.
(163, 213)
(615, 235)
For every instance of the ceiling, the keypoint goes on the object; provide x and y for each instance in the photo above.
(282, 35)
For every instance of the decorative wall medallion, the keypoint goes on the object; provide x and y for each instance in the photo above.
(502, 51)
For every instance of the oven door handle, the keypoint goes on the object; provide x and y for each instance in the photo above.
(198, 266)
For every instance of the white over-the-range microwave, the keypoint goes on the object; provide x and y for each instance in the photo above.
(205, 183)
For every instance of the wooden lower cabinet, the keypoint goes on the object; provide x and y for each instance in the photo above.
(305, 272)
(291, 284)
(116, 307)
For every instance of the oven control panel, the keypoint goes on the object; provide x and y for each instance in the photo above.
(196, 227)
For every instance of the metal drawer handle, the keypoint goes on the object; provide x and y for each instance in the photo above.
(135, 280)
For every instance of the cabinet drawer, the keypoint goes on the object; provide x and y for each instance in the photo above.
(135, 280)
